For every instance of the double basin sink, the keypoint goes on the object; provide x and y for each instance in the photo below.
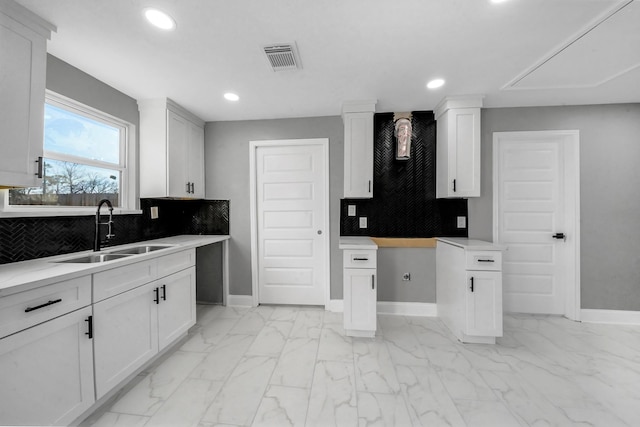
(114, 255)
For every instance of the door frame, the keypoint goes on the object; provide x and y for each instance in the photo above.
(253, 194)
(571, 177)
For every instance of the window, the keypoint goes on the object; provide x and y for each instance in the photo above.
(85, 159)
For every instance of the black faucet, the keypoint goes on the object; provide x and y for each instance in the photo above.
(96, 241)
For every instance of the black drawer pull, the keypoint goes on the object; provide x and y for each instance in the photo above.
(164, 292)
(486, 260)
(157, 298)
(472, 284)
(46, 304)
(361, 259)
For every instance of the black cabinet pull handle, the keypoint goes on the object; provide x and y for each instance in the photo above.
(89, 332)
(472, 284)
(559, 236)
(360, 259)
(40, 163)
(373, 281)
(486, 260)
(188, 187)
(46, 304)
(157, 298)
(164, 292)
(369, 186)
(454, 185)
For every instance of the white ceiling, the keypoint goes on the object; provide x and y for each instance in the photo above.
(517, 53)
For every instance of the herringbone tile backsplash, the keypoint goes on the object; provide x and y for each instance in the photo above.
(404, 200)
(28, 238)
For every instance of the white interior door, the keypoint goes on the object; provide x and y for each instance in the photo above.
(536, 202)
(291, 218)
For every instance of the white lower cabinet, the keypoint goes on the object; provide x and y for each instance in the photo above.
(360, 292)
(360, 301)
(484, 303)
(177, 307)
(46, 372)
(134, 326)
(126, 335)
(469, 289)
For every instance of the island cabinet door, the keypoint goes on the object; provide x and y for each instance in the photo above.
(360, 299)
(484, 303)
(46, 372)
(125, 335)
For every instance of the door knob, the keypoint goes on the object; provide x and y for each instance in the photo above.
(319, 231)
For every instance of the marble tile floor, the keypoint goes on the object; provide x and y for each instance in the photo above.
(281, 366)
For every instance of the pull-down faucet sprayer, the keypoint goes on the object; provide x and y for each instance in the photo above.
(96, 241)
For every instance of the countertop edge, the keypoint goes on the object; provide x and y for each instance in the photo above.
(356, 243)
(25, 275)
(472, 244)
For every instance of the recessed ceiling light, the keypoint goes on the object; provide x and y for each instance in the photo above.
(159, 19)
(436, 83)
(231, 96)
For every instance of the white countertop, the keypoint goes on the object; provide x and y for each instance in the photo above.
(356, 242)
(471, 244)
(24, 275)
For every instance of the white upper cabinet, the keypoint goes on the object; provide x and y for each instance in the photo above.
(23, 59)
(458, 147)
(358, 148)
(171, 151)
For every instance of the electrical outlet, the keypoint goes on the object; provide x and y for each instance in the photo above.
(462, 222)
(351, 210)
(154, 212)
(406, 277)
(363, 222)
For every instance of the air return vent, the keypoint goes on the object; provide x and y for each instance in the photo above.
(282, 56)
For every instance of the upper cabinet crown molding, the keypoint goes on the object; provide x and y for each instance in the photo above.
(458, 146)
(23, 55)
(358, 148)
(171, 150)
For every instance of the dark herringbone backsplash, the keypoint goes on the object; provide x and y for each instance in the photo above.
(404, 200)
(28, 238)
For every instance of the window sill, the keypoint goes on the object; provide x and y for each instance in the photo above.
(51, 212)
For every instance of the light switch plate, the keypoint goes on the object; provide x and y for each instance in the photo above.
(363, 222)
(154, 212)
(462, 222)
(351, 210)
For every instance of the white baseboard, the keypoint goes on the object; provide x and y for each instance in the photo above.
(397, 308)
(423, 309)
(621, 317)
(240, 301)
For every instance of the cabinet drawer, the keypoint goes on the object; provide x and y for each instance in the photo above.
(484, 260)
(25, 309)
(173, 263)
(359, 259)
(118, 280)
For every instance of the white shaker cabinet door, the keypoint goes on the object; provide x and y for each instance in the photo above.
(484, 303)
(46, 372)
(125, 335)
(360, 299)
(23, 55)
(177, 308)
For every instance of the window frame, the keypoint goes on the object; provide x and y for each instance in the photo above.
(128, 165)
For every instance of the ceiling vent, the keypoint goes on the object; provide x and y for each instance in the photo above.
(282, 57)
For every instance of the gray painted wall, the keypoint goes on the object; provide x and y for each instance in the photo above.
(227, 178)
(420, 262)
(73, 83)
(609, 196)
